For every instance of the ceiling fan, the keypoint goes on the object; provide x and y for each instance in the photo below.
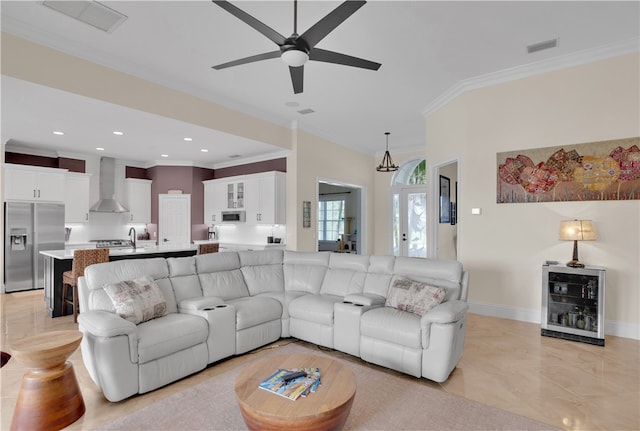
(296, 50)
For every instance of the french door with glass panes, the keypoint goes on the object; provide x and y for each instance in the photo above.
(410, 222)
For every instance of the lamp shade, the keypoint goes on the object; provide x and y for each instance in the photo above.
(294, 57)
(577, 230)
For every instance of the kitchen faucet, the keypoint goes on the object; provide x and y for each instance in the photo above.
(132, 239)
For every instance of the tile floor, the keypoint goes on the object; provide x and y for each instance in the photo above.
(506, 364)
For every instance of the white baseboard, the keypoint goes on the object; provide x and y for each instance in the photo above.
(612, 327)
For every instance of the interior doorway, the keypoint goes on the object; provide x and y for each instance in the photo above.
(339, 216)
(174, 219)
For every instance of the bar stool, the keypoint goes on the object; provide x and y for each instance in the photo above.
(208, 247)
(81, 259)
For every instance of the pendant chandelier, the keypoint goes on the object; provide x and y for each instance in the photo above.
(387, 164)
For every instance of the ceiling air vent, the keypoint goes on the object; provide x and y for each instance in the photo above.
(306, 111)
(541, 46)
(89, 12)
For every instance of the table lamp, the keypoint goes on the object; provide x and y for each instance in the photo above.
(576, 230)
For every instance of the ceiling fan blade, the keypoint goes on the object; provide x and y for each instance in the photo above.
(319, 30)
(251, 59)
(297, 78)
(273, 35)
(346, 60)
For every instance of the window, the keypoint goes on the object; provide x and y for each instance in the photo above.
(411, 173)
(330, 219)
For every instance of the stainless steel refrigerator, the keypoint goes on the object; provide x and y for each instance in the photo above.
(28, 229)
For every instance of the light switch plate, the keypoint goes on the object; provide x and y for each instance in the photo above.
(476, 211)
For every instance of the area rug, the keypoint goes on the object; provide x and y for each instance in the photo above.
(383, 401)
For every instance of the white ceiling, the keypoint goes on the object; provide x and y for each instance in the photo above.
(426, 48)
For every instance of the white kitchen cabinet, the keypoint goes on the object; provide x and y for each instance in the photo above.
(261, 195)
(33, 183)
(76, 201)
(266, 198)
(252, 206)
(138, 200)
(236, 194)
(215, 200)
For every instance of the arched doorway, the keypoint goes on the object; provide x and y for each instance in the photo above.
(409, 217)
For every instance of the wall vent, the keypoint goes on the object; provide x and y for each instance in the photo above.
(89, 12)
(541, 46)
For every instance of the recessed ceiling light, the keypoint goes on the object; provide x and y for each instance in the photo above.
(204, 150)
(58, 133)
(99, 148)
(164, 155)
(188, 139)
(118, 133)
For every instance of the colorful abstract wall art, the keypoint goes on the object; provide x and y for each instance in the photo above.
(607, 170)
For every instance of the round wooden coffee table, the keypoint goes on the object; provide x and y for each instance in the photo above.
(325, 409)
(49, 397)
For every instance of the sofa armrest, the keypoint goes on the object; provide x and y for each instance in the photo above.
(444, 315)
(464, 286)
(447, 312)
(196, 304)
(104, 324)
(365, 299)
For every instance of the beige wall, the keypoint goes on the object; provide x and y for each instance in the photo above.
(316, 158)
(504, 247)
(2, 144)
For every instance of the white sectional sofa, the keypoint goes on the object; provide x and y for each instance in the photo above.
(201, 309)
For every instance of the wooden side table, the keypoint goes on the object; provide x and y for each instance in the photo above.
(326, 409)
(49, 397)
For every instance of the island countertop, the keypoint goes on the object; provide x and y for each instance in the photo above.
(58, 261)
(130, 251)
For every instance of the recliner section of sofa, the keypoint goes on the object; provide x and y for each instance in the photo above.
(225, 304)
(124, 359)
(423, 346)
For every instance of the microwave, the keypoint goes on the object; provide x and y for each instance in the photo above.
(234, 216)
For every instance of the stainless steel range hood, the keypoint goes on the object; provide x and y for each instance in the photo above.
(108, 202)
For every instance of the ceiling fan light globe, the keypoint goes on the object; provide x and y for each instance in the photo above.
(294, 58)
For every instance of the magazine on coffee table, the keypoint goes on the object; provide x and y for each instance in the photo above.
(294, 388)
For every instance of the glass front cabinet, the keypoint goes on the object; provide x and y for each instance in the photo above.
(573, 303)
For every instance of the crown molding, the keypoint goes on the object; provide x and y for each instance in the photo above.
(168, 162)
(247, 160)
(531, 69)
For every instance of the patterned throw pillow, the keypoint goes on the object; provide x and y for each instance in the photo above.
(414, 296)
(137, 300)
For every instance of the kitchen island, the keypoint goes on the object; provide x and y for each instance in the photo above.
(58, 261)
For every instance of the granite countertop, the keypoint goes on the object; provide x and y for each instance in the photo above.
(68, 254)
